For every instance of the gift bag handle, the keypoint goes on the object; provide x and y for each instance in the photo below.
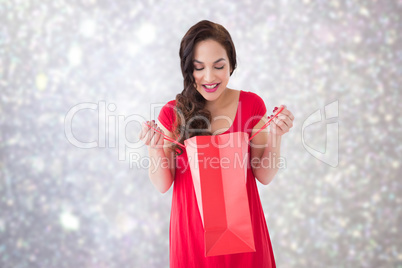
(166, 137)
(280, 109)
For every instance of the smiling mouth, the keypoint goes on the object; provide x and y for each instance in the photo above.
(211, 86)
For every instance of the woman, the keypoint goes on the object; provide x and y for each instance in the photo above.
(207, 106)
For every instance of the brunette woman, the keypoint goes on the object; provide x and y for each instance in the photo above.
(206, 106)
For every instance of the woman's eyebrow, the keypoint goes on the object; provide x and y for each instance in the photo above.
(197, 61)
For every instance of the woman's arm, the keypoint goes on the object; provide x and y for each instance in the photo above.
(266, 146)
(162, 158)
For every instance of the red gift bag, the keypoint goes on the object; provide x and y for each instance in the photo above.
(218, 167)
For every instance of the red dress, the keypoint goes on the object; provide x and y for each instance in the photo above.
(186, 234)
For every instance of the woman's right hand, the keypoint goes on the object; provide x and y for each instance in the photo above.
(162, 167)
(149, 136)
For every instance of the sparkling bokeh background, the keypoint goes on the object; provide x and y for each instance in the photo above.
(65, 204)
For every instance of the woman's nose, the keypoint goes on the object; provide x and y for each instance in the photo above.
(209, 75)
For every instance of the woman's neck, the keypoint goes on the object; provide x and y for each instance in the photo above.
(220, 102)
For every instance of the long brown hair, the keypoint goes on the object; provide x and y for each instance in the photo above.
(190, 104)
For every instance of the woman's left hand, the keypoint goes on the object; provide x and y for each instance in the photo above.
(282, 123)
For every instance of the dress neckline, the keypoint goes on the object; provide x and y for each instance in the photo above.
(235, 118)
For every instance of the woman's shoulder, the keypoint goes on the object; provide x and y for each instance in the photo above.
(172, 103)
(169, 106)
(167, 115)
(252, 104)
(251, 97)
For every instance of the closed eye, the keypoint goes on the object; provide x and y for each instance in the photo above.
(200, 69)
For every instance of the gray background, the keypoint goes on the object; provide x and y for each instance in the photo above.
(63, 205)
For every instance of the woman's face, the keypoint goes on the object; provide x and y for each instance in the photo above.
(211, 69)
